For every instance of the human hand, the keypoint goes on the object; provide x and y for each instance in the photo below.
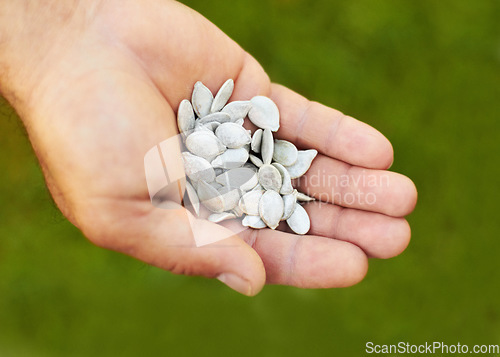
(97, 85)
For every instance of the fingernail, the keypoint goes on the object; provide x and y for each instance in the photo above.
(236, 283)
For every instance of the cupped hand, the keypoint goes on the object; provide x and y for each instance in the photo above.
(102, 86)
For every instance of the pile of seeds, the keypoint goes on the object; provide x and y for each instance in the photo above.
(235, 173)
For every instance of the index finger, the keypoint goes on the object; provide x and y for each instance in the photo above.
(313, 125)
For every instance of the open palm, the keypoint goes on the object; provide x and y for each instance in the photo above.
(108, 90)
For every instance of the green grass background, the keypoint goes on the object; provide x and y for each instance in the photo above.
(425, 73)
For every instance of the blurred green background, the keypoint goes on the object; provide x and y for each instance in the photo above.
(425, 73)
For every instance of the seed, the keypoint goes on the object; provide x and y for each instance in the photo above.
(249, 202)
(210, 197)
(231, 197)
(204, 144)
(243, 178)
(193, 198)
(219, 217)
(218, 117)
(231, 158)
(197, 168)
(285, 152)
(238, 109)
(257, 141)
(201, 99)
(185, 117)
(222, 96)
(304, 160)
(286, 186)
(267, 147)
(289, 202)
(299, 221)
(302, 197)
(271, 208)
(270, 177)
(264, 113)
(255, 160)
(253, 222)
(232, 135)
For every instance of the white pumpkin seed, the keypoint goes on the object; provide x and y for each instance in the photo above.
(255, 160)
(258, 187)
(231, 159)
(216, 185)
(270, 177)
(271, 208)
(243, 178)
(286, 186)
(218, 117)
(253, 222)
(237, 109)
(285, 152)
(257, 141)
(267, 147)
(219, 217)
(201, 99)
(302, 197)
(264, 113)
(289, 202)
(304, 160)
(240, 121)
(231, 197)
(185, 117)
(222, 96)
(202, 127)
(210, 197)
(232, 135)
(197, 168)
(193, 198)
(237, 211)
(249, 202)
(212, 125)
(204, 144)
(299, 221)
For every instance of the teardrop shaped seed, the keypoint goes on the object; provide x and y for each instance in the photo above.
(299, 221)
(253, 222)
(286, 185)
(185, 117)
(271, 208)
(240, 121)
(258, 187)
(270, 177)
(210, 197)
(264, 113)
(219, 217)
(201, 99)
(231, 159)
(267, 147)
(304, 160)
(257, 141)
(302, 197)
(222, 96)
(231, 197)
(249, 202)
(212, 125)
(204, 144)
(197, 168)
(232, 135)
(255, 160)
(289, 202)
(218, 117)
(237, 109)
(237, 211)
(193, 198)
(243, 178)
(201, 127)
(285, 152)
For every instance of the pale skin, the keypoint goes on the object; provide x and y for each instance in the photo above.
(98, 83)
